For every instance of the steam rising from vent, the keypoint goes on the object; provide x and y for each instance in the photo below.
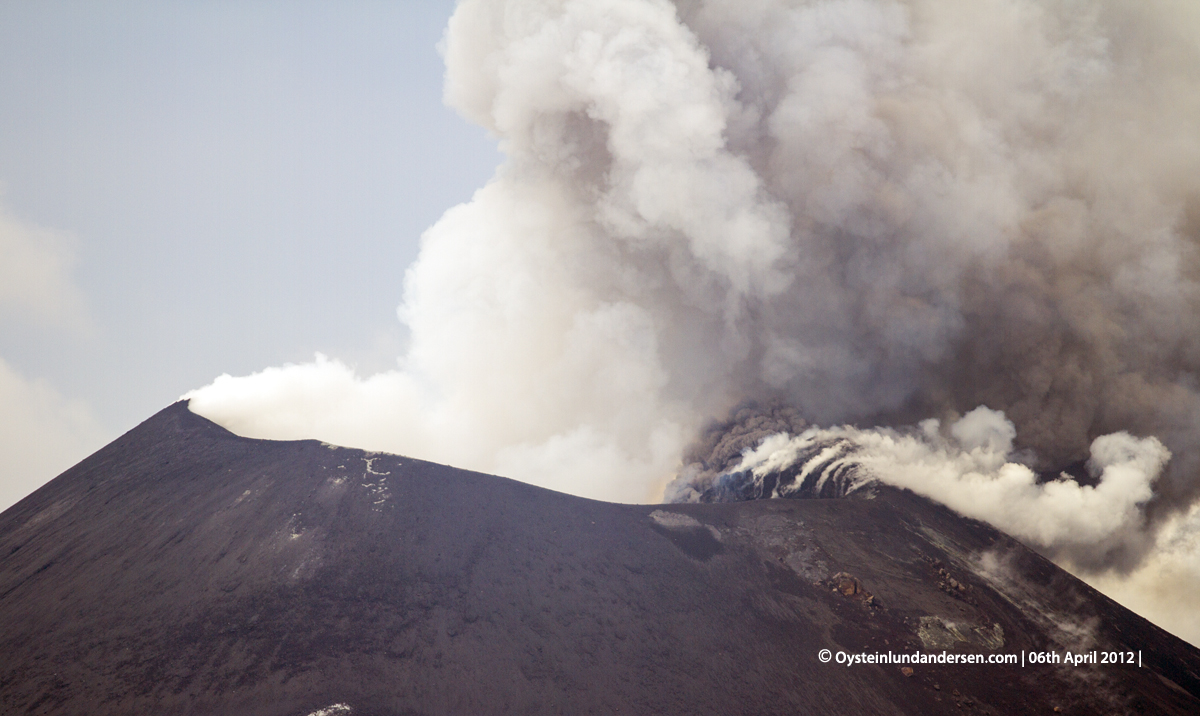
(861, 212)
(971, 469)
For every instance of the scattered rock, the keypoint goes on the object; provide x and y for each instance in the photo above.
(849, 586)
(962, 701)
(948, 584)
(906, 670)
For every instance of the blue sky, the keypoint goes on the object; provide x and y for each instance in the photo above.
(218, 187)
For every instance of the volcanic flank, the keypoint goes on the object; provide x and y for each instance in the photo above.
(184, 569)
(905, 220)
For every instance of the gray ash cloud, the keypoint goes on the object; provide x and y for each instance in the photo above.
(875, 212)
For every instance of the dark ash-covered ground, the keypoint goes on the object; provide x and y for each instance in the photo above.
(185, 570)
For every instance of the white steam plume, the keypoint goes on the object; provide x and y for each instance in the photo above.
(1163, 587)
(873, 211)
(973, 470)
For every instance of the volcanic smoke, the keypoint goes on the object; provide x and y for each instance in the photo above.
(958, 240)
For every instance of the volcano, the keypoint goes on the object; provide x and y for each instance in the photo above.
(185, 570)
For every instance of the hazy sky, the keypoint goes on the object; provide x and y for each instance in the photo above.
(189, 189)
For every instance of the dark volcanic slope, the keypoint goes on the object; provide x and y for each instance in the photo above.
(183, 569)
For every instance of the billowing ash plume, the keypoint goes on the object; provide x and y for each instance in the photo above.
(872, 212)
